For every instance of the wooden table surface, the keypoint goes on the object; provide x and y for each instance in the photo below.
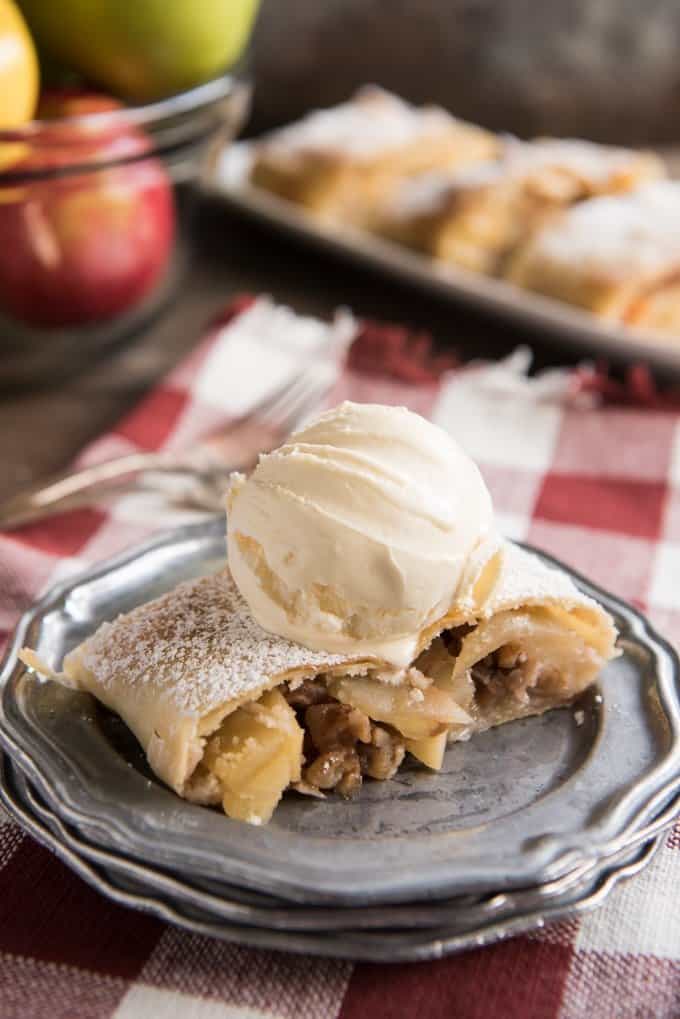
(42, 428)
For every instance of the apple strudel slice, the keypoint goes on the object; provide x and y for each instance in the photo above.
(475, 216)
(617, 257)
(230, 714)
(339, 162)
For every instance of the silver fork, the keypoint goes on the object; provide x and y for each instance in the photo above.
(234, 447)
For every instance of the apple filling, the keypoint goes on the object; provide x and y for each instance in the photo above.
(518, 663)
(329, 732)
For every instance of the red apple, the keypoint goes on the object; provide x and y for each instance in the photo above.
(81, 247)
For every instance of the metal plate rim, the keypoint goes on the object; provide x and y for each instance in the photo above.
(371, 946)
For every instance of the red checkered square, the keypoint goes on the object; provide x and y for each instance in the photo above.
(64, 534)
(606, 504)
(514, 980)
(605, 985)
(32, 989)
(615, 443)
(34, 921)
(23, 574)
(150, 425)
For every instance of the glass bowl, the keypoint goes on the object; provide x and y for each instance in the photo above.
(96, 218)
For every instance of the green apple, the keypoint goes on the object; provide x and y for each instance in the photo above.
(142, 49)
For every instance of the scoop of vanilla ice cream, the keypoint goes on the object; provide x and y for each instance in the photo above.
(354, 535)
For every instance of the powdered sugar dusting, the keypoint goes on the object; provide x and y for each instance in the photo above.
(197, 646)
(373, 122)
(594, 163)
(616, 236)
(432, 192)
(525, 580)
(559, 165)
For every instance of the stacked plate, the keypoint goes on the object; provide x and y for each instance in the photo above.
(524, 824)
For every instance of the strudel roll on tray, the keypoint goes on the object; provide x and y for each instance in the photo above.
(475, 216)
(617, 257)
(368, 610)
(339, 162)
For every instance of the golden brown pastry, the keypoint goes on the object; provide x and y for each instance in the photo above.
(339, 162)
(474, 217)
(618, 257)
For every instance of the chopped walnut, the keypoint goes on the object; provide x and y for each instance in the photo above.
(310, 691)
(510, 672)
(335, 724)
(341, 743)
(381, 758)
(337, 768)
(350, 783)
(522, 679)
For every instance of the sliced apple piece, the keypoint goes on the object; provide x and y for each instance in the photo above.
(440, 666)
(417, 714)
(429, 750)
(256, 754)
(256, 799)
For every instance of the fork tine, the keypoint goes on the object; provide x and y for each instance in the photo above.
(300, 401)
(300, 393)
(262, 406)
(340, 332)
(278, 408)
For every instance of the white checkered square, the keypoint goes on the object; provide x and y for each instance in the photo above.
(513, 525)
(674, 466)
(497, 427)
(251, 358)
(619, 563)
(642, 916)
(619, 443)
(664, 589)
(155, 1003)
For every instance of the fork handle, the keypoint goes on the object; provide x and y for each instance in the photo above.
(47, 495)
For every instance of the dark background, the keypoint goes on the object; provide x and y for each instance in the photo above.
(605, 69)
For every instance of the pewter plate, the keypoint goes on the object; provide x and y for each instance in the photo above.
(570, 325)
(454, 926)
(226, 903)
(516, 807)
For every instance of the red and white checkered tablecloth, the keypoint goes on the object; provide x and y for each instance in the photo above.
(596, 482)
